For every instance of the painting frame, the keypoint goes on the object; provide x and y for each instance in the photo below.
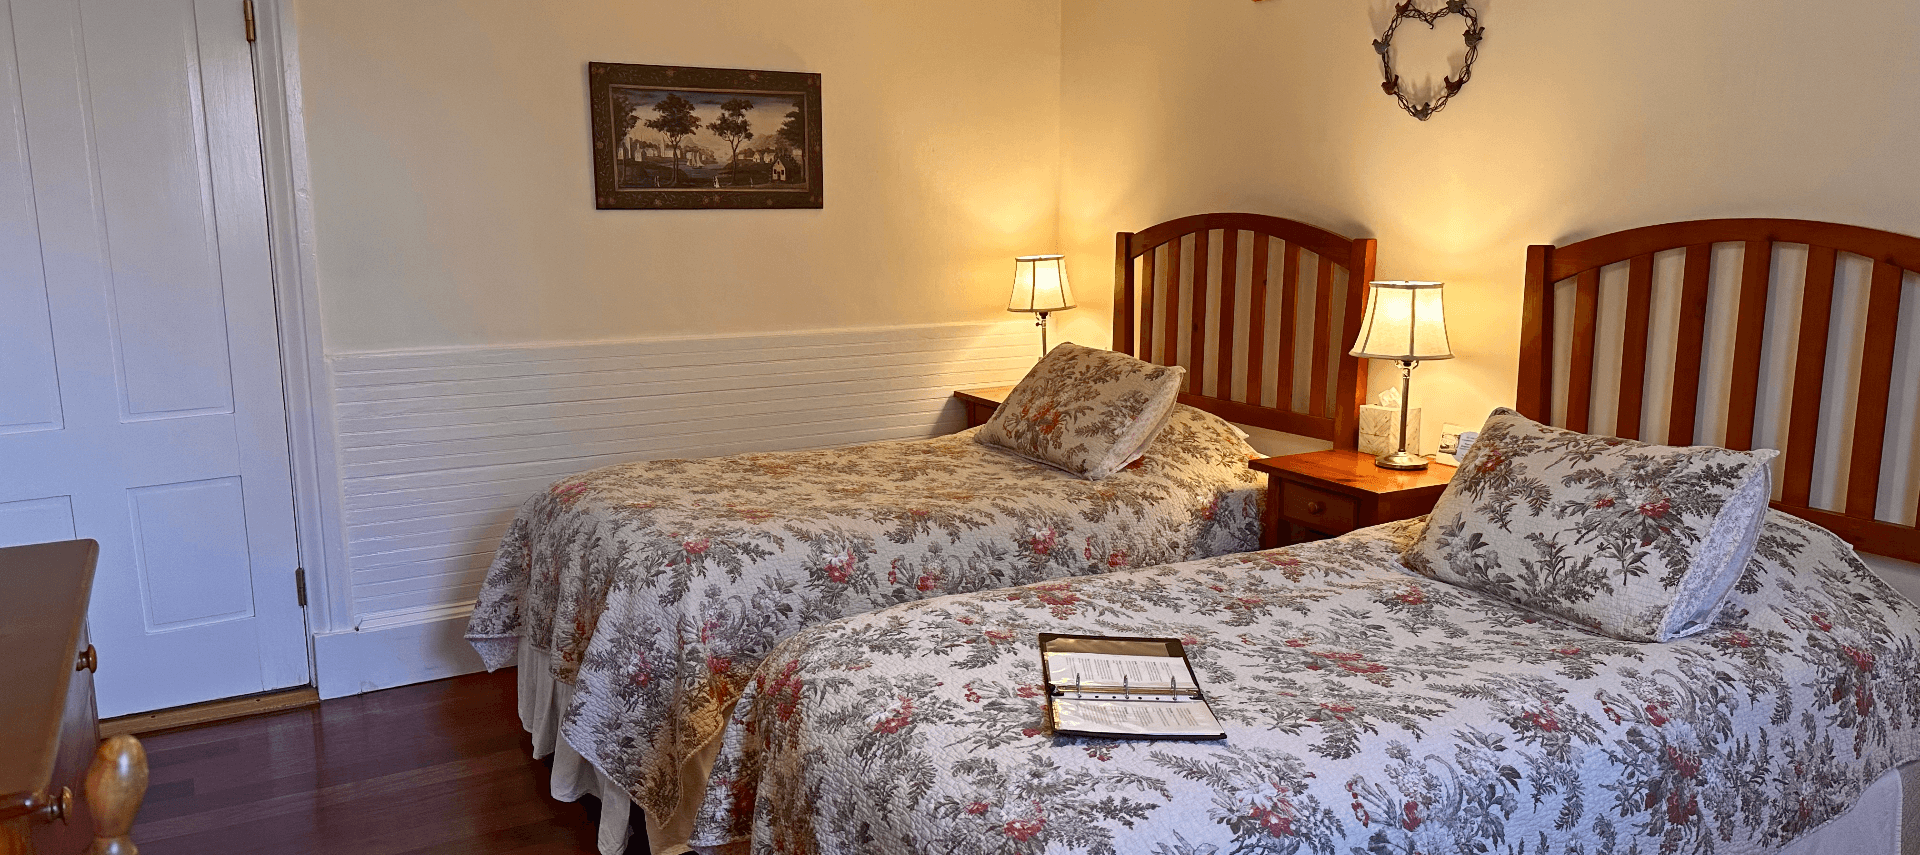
(687, 138)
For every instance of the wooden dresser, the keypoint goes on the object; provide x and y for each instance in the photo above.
(62, 790)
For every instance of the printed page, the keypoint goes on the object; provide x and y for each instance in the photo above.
(1135, 718)
(1105, 671)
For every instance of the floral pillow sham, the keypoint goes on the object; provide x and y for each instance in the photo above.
(1085, 411)
(1637, 541)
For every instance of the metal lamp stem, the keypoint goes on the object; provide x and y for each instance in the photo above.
(1042, 324)
(1403, 459)
(1406, 388)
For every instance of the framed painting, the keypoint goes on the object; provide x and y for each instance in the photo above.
(676, 137)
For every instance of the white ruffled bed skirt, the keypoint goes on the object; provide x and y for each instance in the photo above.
(1884, 821)
(543, 702)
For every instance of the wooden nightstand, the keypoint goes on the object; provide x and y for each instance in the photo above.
(981, 403)
(1326, 493)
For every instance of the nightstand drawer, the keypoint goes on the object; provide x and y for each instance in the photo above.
(1324, 512)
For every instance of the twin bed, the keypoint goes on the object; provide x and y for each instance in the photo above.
(835, 651)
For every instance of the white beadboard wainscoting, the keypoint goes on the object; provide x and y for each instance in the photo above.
(437, 448)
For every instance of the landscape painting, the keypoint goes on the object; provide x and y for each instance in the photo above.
(678, 137)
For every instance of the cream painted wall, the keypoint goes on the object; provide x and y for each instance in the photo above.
(453, 201)
(1579, 120)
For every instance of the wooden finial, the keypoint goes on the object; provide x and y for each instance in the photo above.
(116, 783)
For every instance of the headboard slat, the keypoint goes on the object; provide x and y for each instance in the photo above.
(1352, 387)
(1809, 372)
(1257, 321)
(1170, 306)
(1224, 349)
(1197, 314)
(1147, 294)
(1586, 310)
(1535, 395)
(1876, 383)
(1743, 398)
(1811, 456)
(1174, 302)
(1689, 344)
(1633, 348)
(1289, 325)
(1322, 331)
(1125, 288)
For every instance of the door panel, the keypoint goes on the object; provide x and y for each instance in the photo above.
(190, 548)
(36, 520)
(29, 388)
(158, 428)
(149, 128)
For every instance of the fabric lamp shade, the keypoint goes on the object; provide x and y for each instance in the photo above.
(1404, 321)
(1040, 284)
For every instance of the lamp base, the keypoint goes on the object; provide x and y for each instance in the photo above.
(1400, 460)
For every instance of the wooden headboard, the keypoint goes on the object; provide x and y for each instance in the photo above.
(1225, 296)
(1762, 281)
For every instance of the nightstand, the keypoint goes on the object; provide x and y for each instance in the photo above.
(981, 403)
(1327, 493)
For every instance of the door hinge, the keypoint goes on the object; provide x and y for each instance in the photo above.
(246, 9)
(300, 585)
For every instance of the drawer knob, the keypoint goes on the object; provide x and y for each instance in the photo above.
(55, 807)
(89, 660)
(1316, 507)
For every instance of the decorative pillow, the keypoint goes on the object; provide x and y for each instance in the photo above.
(1637, 541)
(1089, 412)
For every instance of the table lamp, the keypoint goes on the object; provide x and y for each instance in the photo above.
(1040, 287)
(1405, 323)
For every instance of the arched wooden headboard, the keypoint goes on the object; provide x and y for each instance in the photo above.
(1161, 274)
(1760, 283)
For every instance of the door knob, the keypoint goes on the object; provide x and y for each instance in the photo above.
(89, 660)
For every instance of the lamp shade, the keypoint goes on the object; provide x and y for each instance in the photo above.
(1040, 284)
(1404, 321)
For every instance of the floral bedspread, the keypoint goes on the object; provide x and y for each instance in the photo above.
(1368, 710)
(657, 587)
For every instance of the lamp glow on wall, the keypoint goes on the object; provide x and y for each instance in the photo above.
(1404, 322)
(1040, 287)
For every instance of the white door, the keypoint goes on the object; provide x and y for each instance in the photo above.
(140, 400)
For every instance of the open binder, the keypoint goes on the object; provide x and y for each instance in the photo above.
(1130, 688)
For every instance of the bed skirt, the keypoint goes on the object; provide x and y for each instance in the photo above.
(1884, 821)
(543, 702)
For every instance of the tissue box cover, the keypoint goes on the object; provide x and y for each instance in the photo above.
(1380, 429)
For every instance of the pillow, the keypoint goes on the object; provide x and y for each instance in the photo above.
(1087, 411)
(1637, 541)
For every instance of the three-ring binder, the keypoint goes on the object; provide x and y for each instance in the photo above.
(1122, 706)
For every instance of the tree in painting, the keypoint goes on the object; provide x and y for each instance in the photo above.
(732, 126)
(793, 133)
(675, 122)
(624, 118)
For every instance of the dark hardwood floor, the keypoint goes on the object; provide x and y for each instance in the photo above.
(437, 767)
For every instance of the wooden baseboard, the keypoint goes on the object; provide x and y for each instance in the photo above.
(141, 724)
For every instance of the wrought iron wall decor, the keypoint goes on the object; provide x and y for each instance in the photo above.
(1384, 47)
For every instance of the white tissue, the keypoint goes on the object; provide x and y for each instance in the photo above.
(1390, 398)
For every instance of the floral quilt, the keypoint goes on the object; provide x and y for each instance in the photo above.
(656, 587)
(1368, 711)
